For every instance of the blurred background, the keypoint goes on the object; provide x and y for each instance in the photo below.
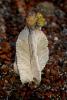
(12, 20)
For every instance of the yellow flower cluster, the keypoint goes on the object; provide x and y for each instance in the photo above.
(40, 20)
(33, 19)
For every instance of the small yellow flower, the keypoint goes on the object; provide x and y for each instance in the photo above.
(40, 19)
(31, 20)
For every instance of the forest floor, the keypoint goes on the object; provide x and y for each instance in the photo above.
(53, 85)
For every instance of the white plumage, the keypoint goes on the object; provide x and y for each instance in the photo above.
(32, 55)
